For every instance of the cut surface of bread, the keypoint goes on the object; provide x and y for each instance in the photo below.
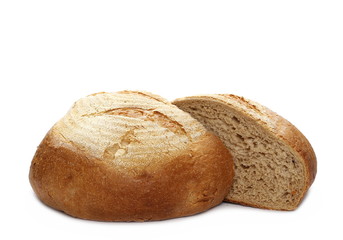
(274, 163)
(130, 156)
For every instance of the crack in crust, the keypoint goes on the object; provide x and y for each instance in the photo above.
(121, 147)
(146, 115)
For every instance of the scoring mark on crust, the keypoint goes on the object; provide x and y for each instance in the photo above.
(146, 115)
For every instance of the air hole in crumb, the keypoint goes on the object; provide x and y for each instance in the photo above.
(270, 167)
(244, 166)
(286, 194)
(235, 119)
(239, 137)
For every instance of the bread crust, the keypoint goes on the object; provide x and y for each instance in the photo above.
(72, 180)
(277, 126)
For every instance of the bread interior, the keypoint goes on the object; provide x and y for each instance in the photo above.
(267, 172)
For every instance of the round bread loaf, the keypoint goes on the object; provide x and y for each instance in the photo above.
(130, 156)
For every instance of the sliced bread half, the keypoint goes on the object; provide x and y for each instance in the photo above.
(274, 162)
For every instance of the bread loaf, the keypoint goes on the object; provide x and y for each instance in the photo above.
(130, 156)
(274, 163)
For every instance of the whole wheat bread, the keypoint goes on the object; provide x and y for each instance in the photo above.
(274, 163)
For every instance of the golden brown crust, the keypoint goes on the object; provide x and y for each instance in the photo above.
(85, 187)
(277, 125)
(300, 145)
(146, 94)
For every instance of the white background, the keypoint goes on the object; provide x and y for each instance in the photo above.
(287, 55)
